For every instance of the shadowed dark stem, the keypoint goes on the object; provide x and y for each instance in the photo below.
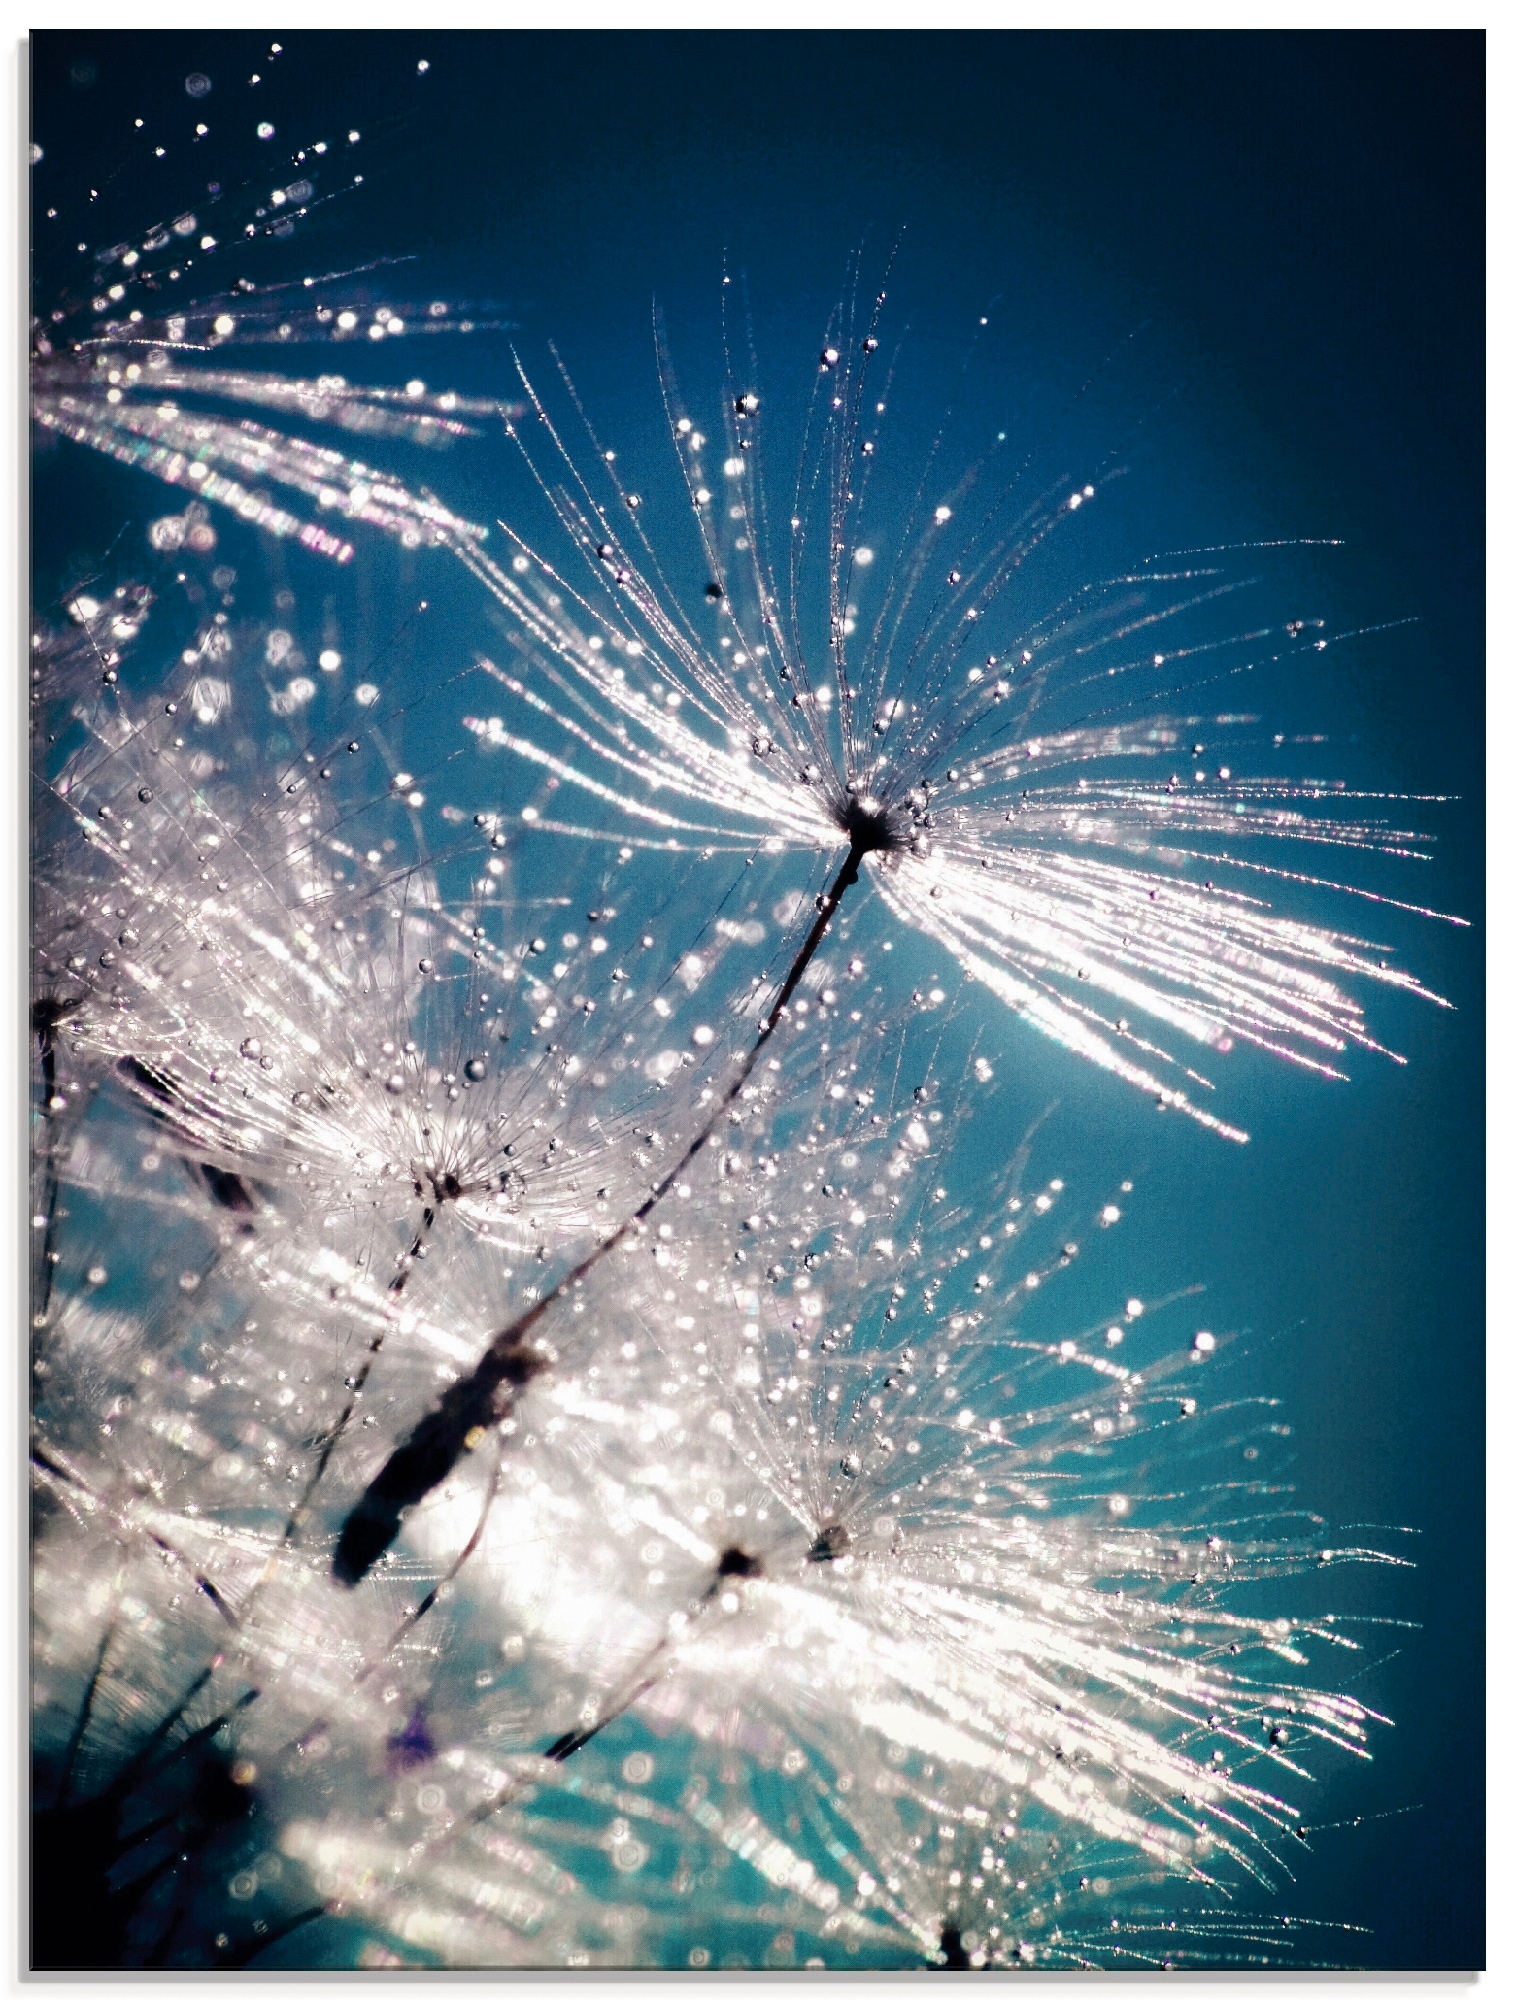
(418, 1611)
(44, 1293)
(254, 1947)
(433, 1448)
(954, 1958)
(47, 1017)
(66, 1476)
(338, 1430)
(81, 1725)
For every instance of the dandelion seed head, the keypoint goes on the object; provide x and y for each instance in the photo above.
(805, 1474)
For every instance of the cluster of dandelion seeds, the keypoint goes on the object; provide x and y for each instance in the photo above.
(539, 1459)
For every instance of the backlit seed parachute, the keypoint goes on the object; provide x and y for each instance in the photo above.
(186, 1636)
(231, 463)
(172, 1609)
(808, 1586)
(317, 1014)
(898, 676)
(681, 1537)
(891, 676)
(503, 1859)
(158, 386)
(145, 1815)
(884, 663)
(848, 1516)
(327, 1032)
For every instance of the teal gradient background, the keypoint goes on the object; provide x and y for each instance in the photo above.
(1264, 252)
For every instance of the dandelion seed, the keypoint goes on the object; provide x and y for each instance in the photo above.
(1028, 887)
(981, 1670)
(359, 1270)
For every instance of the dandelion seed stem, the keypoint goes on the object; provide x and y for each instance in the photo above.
(338, 1430)
(953, 1957)
(81, 1725)
(734, 1562)
(255, 1946)
(66, 1476)
(433, 1448)
(419, 1610)
(575, 1739)
(47, 1017)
